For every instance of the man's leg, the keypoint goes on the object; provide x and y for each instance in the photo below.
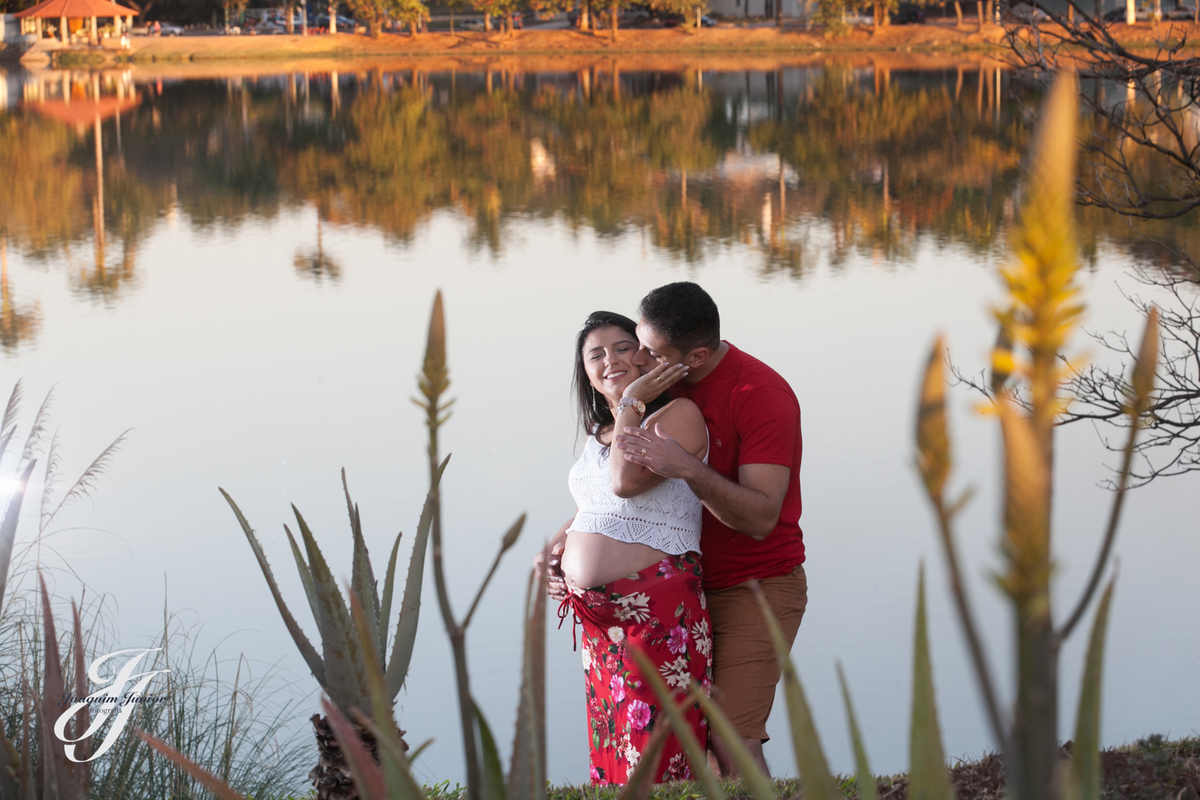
(745, 669)
(722, 763)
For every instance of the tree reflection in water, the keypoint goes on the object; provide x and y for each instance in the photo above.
(805, 164)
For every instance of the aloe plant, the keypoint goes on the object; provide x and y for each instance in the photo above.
(374, 759)
(433, 381)
(1028, 373)
(341, 666)
(1026, 396)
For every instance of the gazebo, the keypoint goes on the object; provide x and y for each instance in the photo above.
(65, 10)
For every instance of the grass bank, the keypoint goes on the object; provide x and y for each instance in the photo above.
(936, 37)
(1154, 768)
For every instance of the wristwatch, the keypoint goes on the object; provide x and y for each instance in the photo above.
(637, 405)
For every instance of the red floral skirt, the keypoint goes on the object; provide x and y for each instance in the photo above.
(663, 609)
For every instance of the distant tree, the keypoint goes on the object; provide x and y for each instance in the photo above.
(831, 17)
(690, 10)
(407, 12)
(545, 9)
(453, 6)
(881, 11)
(371, 12)
(613, 7)
(235, 11)
(503, 9)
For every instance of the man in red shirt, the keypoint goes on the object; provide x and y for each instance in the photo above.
(750, 489)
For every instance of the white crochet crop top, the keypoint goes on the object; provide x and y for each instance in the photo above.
(666, 517)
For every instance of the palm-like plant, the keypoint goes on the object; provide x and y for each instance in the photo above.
(342, 665)
(365, 755)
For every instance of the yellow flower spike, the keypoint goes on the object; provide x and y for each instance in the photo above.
(1142, 381)
(1026, 506)
(1003, 363)
(434, 377)
(933, 440)
(1041, 277)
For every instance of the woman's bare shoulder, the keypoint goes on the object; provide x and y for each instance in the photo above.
(681, 419)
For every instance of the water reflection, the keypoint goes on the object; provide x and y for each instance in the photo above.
(800, 163)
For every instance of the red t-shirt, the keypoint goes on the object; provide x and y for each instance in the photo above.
(753, 417)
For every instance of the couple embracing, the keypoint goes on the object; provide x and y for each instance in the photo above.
(688, 488)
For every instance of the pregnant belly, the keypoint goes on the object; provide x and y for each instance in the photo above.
(593, 559)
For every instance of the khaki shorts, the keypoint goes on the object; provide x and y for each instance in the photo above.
(745, 669)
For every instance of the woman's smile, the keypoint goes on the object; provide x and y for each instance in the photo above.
(611, 357)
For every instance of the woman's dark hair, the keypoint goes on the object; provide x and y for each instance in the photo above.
(594, 415)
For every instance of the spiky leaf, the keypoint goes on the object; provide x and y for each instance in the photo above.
(928, 777)
(385, 604)
(368, 777)
(493, 771)
(752, 775)
(810, 759)
(527, 774)
(410, 608)
(863, 777)
(58, 773)
(638, 782)
(311, 658)
(696, 754)
(1085, 755)
(305, 574)
(362, 578)
(345, 668)
(219, 788)
(8, 528)
(382, 724)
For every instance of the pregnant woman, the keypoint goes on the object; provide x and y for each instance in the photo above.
(630, 557)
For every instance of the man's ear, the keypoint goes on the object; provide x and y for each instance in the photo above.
(697, 358)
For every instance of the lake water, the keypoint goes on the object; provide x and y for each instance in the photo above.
(241, 269)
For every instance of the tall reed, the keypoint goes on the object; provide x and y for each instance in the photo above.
(240, 726)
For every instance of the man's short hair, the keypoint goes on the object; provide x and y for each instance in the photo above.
(684, 315)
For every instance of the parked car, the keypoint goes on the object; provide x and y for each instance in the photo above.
(1023, 12)
(1141, 14)
(1182, 13)
(165, 29)
(471, 25)
(707, 22)
(907, 14)
(322, 21)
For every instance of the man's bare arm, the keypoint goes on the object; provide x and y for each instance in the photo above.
(750, 506)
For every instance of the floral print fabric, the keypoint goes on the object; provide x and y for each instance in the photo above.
(662, 608)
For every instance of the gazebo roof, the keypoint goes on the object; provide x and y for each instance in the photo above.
(54, 9)
(83, 110)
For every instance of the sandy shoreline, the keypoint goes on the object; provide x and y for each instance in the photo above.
(940, 41)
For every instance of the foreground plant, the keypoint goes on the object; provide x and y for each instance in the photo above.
(1027, 374)
(373, 760)
(342, 666)
(433, 382)
(1027, 383)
